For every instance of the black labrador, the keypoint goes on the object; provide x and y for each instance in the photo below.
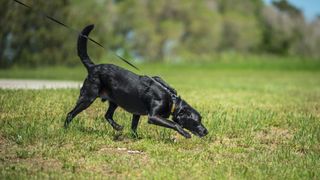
(139, 95)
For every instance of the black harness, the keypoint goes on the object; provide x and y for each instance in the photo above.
(174, 96)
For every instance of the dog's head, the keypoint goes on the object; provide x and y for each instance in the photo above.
(188, 118)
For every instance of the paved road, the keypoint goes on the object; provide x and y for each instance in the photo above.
(37, 84)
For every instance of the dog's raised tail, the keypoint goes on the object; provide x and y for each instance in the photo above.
(82, 47)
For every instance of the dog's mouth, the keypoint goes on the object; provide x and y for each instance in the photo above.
(203, 132)
(196, 133)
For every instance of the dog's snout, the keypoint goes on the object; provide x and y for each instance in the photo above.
(205, 131)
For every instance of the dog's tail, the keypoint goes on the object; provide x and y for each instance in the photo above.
(82, 47)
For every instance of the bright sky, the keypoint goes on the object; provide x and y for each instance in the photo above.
(311, 8)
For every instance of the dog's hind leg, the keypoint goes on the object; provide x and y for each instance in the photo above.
(89, 92)
(109, 116)
(134, 124)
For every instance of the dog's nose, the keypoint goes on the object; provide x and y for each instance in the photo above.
(205, 131)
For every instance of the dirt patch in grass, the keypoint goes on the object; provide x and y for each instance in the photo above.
(12, 156)
(107, 169)
(9, 115)
(2, 141)
(273, 136)
(120, 150)
(36, 163)
(4, 145)
(230, 142)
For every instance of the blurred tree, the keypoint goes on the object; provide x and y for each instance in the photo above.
(154, 30)
(6, 54)
(240, 33)
(157, 30)
(29, 39)
(245, 7)
(101, 13)
(310, 42)
(283, 28)
(241, 28)
(285, 6)
(202, 27)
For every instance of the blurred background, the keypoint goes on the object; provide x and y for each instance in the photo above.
(160, 31)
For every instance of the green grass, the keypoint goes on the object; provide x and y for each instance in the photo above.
(263, 118)
(224, 62)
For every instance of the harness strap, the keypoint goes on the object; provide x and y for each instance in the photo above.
(173, 107)
(173, 96)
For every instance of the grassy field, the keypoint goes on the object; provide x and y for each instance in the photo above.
(263, 119)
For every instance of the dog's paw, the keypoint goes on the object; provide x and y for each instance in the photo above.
(183, 132)
(66, 125)
(187, 135)
(118, 127)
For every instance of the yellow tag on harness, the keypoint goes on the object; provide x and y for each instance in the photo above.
(173, 107)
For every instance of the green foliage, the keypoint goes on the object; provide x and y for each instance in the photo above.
(284, 5)
(155, 30)
(31, 40)
(241, 33)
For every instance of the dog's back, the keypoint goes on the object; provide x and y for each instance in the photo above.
(132, 92)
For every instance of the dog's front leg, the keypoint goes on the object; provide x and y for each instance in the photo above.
(157, 120)
(134, 124)
(109, 116)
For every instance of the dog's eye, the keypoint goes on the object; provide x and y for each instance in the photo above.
(195, 123)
